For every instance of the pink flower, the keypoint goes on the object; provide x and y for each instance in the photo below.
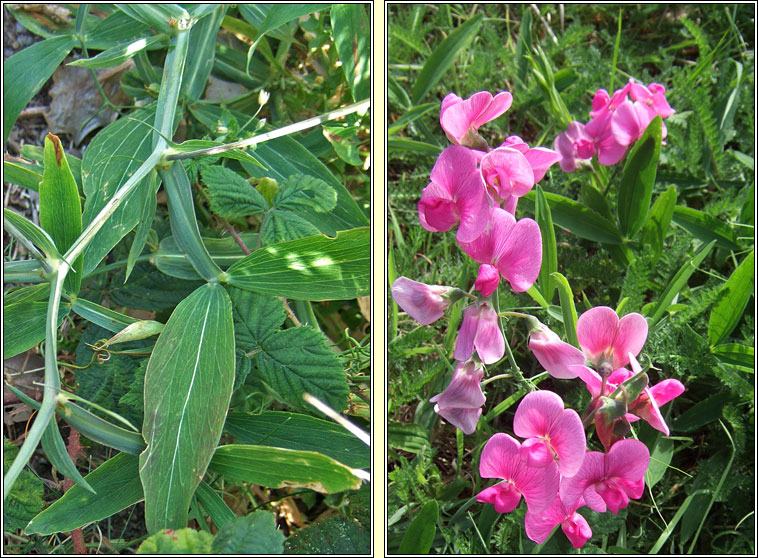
(575, 527)
(554, 355)
(455, 194)
(654, 96)
(424, 303)
(461, 402)
(461, 119)
(540, 158)
(501, 459)
(606, 339)
(573, 145)
(609, 480)
(514, 248)
(507, 173)
(553, 434)
(480, 331)
(648, 405)
(487, 279)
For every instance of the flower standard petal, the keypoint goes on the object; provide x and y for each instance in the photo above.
(424, 303)
(630, 337)
(473, 208)
(520, 259)
(536, 414)
(569, 442)
(461, 402)
(507, 172)
(555, 355)
(489, 342)
(596, 330)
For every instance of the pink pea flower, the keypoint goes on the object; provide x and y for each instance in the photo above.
(424, 303)
(554, 355)
(507, 173)
(461, 402)
(654, 96)
(574, 526)
(648, 404)
(573, 145)
(462, 118)
(609, 480)
(487, 279)
(606, 339)
(455, 194)
(501, 458)
(553, 434)
(480, 331)
(514, 248)
(540, 158)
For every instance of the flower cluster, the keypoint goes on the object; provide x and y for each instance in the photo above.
(616, 122)
(477, 189)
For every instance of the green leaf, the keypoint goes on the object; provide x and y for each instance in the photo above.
(549, 251)
(658, 220)
(30, 293)
(117, 486)
(148, 203)
(184, 227)
(197, 144)
(60, 211)
(121, 52)
(172, 261)
(740, 356)
(706, 227)
(578, 218)
(188, 385)
(201, 52)
(305, 192)
(443, 57)
(636, 187)
(101, 316)
(732, 300)
(312, 268)
(55, 451)
(678, 282)
(157, 16)
(24, 174)
(25, 498)
(568, 309)
(352, 36)
(24, 325)
(411, 115)
(419, 537)
(298, 360)
(13, 222)
(274, 16)
(299, 432)
(149, 289)
(336, 535)
(177, 541)
(660, 457)
(114, 29)
(250, 534)
(278, 468)
(214, 505)
(113, 155)
(704, 412)
(26, 72)
(407, 437)
(231, 195)
(282, 226)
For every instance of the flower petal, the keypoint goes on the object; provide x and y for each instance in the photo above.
(489, 342)
(596, 330)
(569, 441)
(500, 456)
(537, 413)
(521, 258)
(630, 337)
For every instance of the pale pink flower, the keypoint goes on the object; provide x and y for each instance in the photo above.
(555, 355)
(574, 145)
(501, 458)
(609, 480)
(461, 402)
(455, 194)
(424, 303)
(514, 248)
(480, 331)
(553, 434)
(654, 96)
(487, 279)
(507, 173)
(574, 526)
(540, 158)
(462, 118)
(605, 338)
(648, 404)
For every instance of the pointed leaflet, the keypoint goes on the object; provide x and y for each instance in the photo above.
(352, 35)
(730, 305)
(60, 211)
(188, 385)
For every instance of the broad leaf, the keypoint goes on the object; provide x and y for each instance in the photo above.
(737, 355)
(549, 251)
(300, 432)
(26, 72)
(250, 534)
(188, 385)
(278, 468)
(13, 222)
(24, 325)
(121, 52)
(732, 299)
(298, 360)
(201, 53)
(419, 537)
(231, 195)
(706, 227)
(305, 192)
(352, 36)
(312, 268)
(25, 498)
(117, 486)
(173, 261)
(658, 220)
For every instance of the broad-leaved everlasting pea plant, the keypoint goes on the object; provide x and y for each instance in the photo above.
(303, 239)
(477, 189)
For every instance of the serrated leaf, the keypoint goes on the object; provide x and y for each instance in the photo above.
(298, 360)
(300, 432)
(149, 289)
(302, 191)
(251, 534)
(179, 541)
(732, 300)
(282, 226)
(121, 52)
(188, 384)
(312, 268)
(117, 486)
(25, 498)
(336, 535)
(278, 468)
(26, 72)
(231, 195)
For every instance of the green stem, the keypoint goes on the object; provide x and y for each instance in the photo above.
(286, 130)
(52, 383)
